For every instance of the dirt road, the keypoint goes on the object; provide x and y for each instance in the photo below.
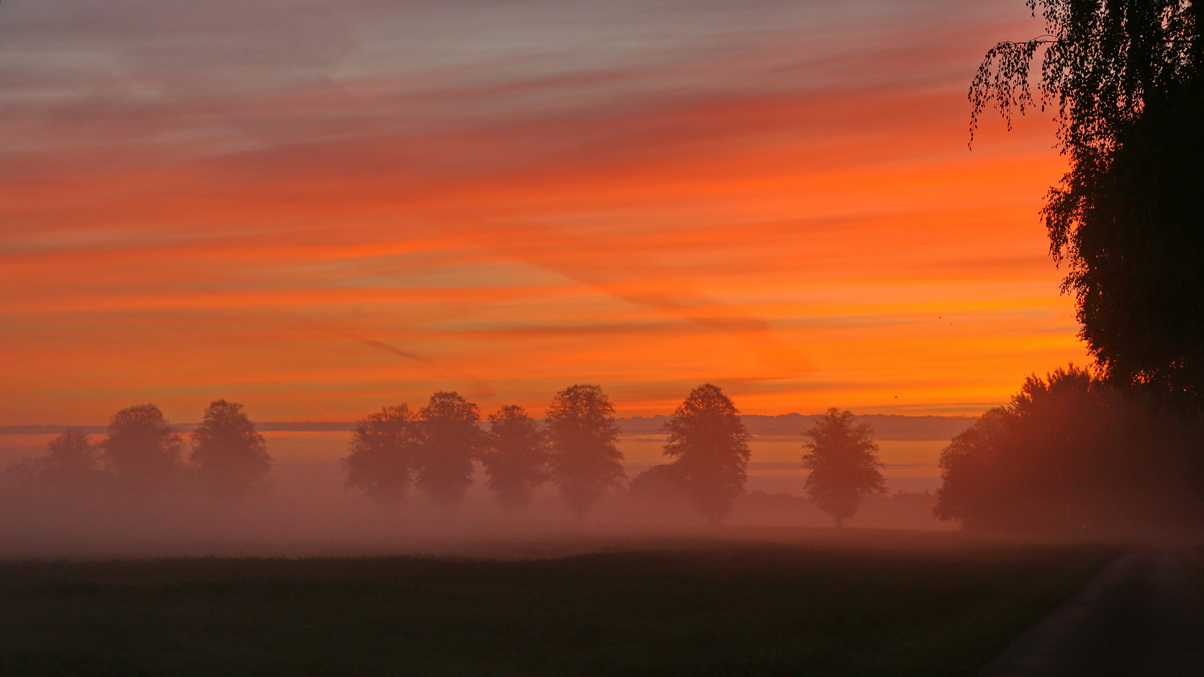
(1137, 618)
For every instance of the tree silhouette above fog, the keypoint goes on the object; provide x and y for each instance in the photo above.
(229, 456)
(450, 441)
(142, 451)
(382, 453)
(516, 457)
(709, 445)
(843, 462)
(585, 460)
(1127, 82)
(70, 465)
(72, 461)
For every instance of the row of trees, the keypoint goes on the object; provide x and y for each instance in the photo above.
(143, 453)
(577, 450)
(434, 449)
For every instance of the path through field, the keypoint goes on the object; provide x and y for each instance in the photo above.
(1137, 618)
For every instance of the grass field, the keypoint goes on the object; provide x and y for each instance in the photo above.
(916, 605)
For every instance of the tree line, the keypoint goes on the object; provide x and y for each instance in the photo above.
(143, 453)
(576, 450)
(434, 449)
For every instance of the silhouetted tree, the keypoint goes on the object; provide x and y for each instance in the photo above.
(709, 443)
(1069, 454)
(843, 460)
(1132, 231)
(516, 459)
(1127, 79)
(229, 455)
(71, 463)
(451, 440)
(585, 461)
(142, 450)
(970, 471)
(383, 448)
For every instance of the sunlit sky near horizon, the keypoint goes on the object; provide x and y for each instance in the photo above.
(319, 208)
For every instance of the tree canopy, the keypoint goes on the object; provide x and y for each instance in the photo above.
(516, 458)
(229, 455)
(1125, 78)
(583, 433)
(450, 442)
(142, 450)
(71, 463)
(1070, 454)
(709, 445)
(382, 452)
(843, 459)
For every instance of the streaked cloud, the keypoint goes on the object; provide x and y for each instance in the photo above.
(328, 206)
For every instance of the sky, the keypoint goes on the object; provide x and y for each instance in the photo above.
(320, 208)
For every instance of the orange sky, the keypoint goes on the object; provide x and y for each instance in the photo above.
(319, 208)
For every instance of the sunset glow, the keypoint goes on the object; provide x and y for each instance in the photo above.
(316, 209)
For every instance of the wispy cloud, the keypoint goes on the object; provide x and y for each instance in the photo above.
(367, 200)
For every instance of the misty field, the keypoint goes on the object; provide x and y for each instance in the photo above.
(917, 604)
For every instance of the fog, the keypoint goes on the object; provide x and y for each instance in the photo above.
(306, 510)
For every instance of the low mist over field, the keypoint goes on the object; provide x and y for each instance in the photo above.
(306, 506)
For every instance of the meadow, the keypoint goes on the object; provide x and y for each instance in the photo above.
(816, 602)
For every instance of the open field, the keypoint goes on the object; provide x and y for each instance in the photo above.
(867, 603)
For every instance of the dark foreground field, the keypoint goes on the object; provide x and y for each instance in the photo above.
(917, 605)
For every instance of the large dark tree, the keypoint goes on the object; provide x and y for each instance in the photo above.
(709, 443)
(451, 441)
(142, 450)
(1070, 454)
(843, 462)
(229, 455)
(382, 451)
(1126, 79)
(586, 461)
(516, 458)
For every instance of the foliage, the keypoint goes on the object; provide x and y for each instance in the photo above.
(72, 462)
(1133, 233)
(451, 440)
(710, 446)
(382, 453)
(843, 460)
(1101, 62)
(229, 455)
(585, 461)
(142, 450)
(1125, 78)
(70, 465)
(516, 459)
(1069, 454)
